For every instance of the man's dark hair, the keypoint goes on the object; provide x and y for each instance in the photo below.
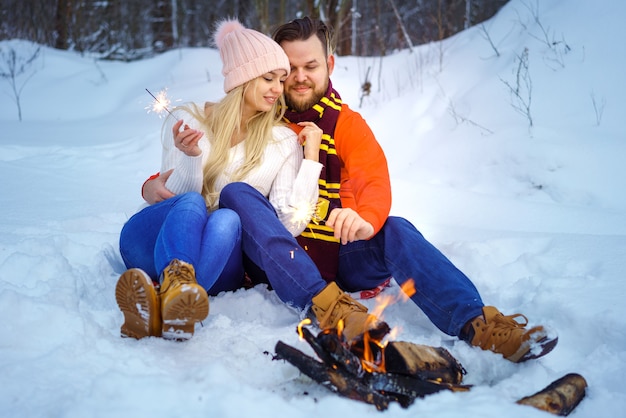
(302, 29)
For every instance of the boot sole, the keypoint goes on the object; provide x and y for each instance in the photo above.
(138, 301)
(544, 344)
(181, 312)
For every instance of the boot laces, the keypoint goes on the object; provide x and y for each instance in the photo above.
(333, 315)
(179, 274)
(510, 321)
(502, 326)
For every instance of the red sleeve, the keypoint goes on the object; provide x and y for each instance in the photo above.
(152, 177)
(365, 183)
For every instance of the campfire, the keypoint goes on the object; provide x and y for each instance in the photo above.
(379, 373)
(397, 371)
(373, 371)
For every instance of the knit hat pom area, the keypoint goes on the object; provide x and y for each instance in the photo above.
(246, 53)
(224, 28)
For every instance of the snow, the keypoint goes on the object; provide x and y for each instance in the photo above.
(536, 216)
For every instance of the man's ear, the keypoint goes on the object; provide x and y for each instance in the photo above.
(331, 64)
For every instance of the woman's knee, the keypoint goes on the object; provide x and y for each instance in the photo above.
(225, 222)
(192, 198)
(190, 201)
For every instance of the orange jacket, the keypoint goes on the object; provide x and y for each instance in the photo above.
(365, 184)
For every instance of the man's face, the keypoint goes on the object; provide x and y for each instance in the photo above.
(310, 72)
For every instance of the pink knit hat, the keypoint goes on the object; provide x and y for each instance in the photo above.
(246, 54)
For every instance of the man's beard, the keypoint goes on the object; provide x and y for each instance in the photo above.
(303, 104)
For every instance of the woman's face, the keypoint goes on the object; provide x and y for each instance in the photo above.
(263, 92)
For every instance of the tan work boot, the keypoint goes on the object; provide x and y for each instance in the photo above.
(332, 305)
(504, 335)
(183, 301)
(138, 300)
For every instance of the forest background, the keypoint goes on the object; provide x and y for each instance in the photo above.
(129, 30)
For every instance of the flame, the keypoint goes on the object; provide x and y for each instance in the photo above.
(393, 334)
(370, 361)
(340, 327)
(383, 301)
(408, 289)
(373, 360)
(305, 321)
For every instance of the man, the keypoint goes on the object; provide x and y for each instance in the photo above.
(351, 238)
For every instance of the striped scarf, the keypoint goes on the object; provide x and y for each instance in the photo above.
(317, 239)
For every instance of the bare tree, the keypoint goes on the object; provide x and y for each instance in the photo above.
(521, 90)
(407, 38)
(13, 66)
(468, 14)
(598, 107)
(61, 24)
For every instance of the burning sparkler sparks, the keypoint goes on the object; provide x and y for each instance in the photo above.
(161, 103)
(302, 213)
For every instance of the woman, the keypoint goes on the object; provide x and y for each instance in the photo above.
(183, 241)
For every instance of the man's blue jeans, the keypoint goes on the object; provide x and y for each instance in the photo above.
(443, 292)
(181, 228)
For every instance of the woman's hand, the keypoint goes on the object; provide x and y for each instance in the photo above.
(187, 139)
(311, 137)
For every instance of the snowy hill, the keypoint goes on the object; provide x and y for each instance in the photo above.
(535, 215)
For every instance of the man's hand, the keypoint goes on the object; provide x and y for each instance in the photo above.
(154, 190)
(349, 226)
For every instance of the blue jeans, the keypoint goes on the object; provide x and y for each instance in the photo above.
(181, 228)
(444, 293)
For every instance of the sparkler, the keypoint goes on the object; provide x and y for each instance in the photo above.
(306, 212)
(302, 213)
(161, 102)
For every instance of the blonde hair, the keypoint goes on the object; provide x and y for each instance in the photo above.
(221, 124)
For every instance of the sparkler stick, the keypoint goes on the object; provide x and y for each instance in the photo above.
(160, 103)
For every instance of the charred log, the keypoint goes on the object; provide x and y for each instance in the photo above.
(404, 388)
(333, 351)
(336, 379)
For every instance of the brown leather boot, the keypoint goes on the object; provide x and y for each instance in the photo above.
(505, 335)
(332, 305)
(138, 300)
(183, 301)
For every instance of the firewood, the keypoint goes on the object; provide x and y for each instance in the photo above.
(423, 362)
(333, 351)
(337, 380)
(559, 397)
(399, 385)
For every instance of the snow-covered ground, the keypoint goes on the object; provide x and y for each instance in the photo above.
(536, 216)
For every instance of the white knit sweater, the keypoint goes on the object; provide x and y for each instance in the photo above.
(284, 176)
